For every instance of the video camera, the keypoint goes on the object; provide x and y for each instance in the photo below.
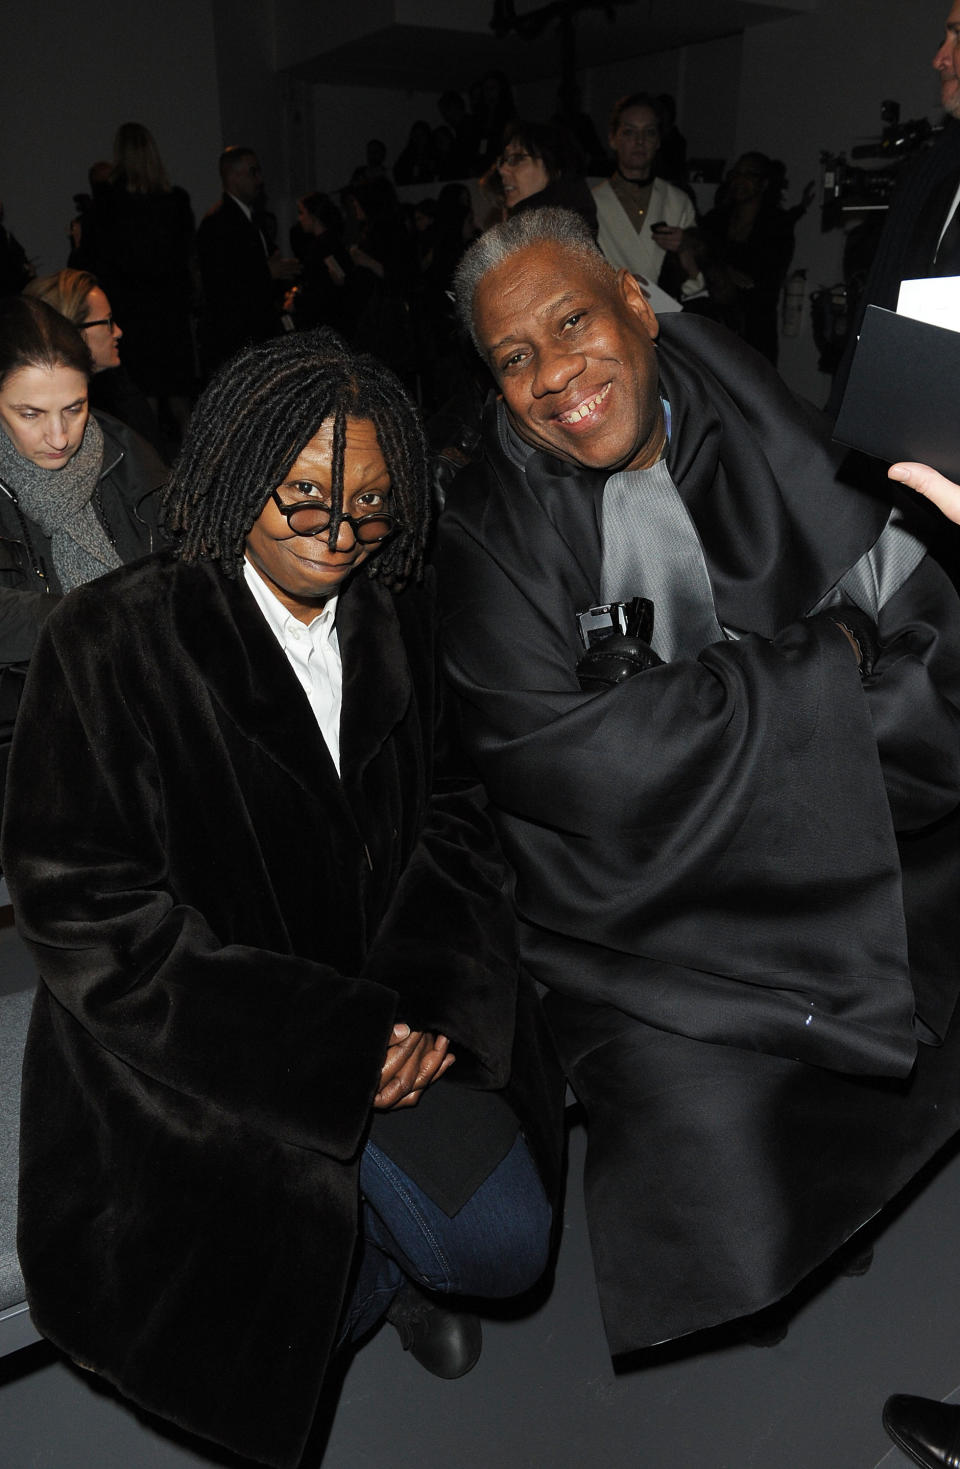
(854, 189)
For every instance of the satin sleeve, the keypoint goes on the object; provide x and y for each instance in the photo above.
(720, 818)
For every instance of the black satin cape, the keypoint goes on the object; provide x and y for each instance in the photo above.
(736, 863)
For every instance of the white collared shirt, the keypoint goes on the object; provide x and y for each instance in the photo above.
(313, 651)
(249, 214)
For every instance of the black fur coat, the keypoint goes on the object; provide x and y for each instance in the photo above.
(226, 933)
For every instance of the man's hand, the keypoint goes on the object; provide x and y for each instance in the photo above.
(936, 487)
(414, 1059)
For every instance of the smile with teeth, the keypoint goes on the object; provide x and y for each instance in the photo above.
(574, 415)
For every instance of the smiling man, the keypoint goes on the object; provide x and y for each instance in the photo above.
(732, 836)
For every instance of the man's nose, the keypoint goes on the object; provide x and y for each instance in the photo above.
(555, 369)
(943, 56)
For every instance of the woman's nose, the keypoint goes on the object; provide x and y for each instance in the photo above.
(346, 536)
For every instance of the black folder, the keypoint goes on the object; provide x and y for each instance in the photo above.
(903, 395)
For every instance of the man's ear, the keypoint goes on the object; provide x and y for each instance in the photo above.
(633, 297)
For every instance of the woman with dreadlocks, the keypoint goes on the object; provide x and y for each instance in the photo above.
(280, 1066)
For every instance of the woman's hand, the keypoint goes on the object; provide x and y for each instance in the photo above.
(414, 1059)
(943, 492)
(668, 236)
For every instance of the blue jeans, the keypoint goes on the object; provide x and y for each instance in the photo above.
(496, 1245)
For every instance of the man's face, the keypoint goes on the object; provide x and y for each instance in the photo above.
(245, 180)
(635, 142)
(572, 350)
(947, 63)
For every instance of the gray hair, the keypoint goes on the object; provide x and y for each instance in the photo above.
(560, 227)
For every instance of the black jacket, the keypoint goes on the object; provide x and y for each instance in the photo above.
(238, 291)
(127, 501)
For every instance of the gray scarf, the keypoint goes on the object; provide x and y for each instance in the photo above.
(59, 501)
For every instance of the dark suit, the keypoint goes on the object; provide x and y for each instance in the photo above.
(226, 933)
(908, 244)
(238, 289)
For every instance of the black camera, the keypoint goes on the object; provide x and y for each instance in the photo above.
(850, 188)
(634, 619)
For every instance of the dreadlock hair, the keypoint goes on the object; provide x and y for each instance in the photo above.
(250, 426)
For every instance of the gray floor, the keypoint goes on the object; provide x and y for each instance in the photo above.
(544, 1393)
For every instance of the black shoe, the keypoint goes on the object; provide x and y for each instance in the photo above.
(854, 1258)
(765, 1328)
(928, 1431)
(446, 1343)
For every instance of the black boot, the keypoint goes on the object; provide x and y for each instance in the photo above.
(446, 1343)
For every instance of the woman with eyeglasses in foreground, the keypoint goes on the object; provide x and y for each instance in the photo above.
(279, 1059)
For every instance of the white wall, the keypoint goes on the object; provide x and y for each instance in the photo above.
(71, 77)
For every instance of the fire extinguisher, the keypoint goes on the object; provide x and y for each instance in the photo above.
(793, 294)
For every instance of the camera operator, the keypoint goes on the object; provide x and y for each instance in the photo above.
(921, 236)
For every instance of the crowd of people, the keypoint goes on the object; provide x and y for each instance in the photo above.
(377, 267)
(343, 847)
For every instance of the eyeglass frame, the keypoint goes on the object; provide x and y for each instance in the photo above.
(514, 160)
(335, 521)
(109, 321)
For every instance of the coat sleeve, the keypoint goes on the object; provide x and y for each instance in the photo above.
(253, 1032)
(447, 943)
(727, 814)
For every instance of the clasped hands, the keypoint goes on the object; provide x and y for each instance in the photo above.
(415, 1059)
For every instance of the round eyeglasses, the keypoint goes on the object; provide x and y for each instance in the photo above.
(310, 518)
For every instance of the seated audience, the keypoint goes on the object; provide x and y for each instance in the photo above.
(240, 266)
(78, 490)
(15, 268)
(463, 125)
(78, 296)
(280, 1058)
(320, 297)
(743, 247)
(642, 217)
(493, 108)
(537, 167)
(138, 239)
(417, 164)
(386, 276)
